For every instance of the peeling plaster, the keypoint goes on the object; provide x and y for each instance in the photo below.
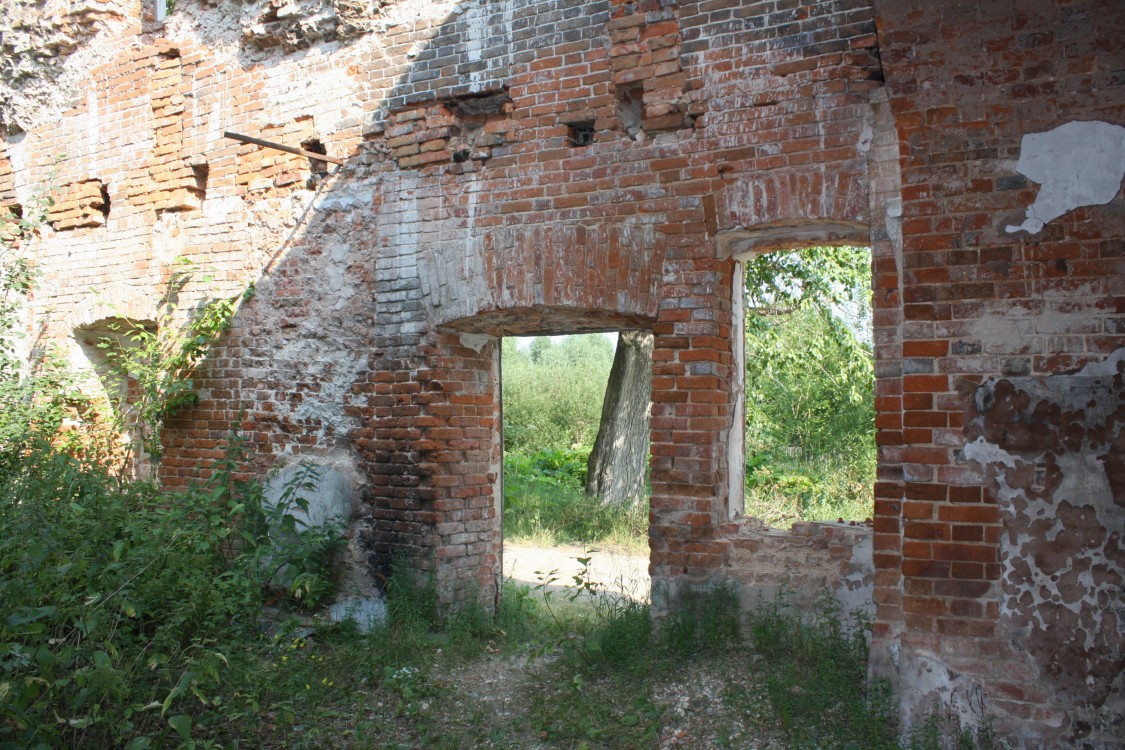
(475, 341)
(960, 697)
(1076, 164)
(1051, 451)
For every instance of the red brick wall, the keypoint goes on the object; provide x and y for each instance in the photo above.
(546, 166)
(966, 83)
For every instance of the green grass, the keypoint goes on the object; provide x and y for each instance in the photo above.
(816, 681)
(782, 488)
(545, 505)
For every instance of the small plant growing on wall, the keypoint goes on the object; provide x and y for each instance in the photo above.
(151, 366)
(34, 391)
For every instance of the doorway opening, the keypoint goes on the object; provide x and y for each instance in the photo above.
(809, 385)
(575, 410)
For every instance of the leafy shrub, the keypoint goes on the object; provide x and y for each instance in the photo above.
(125, 607)
(545, 503)
(783, 488)
(128, 613)
(810, 386)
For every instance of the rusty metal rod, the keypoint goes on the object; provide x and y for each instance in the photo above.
(287, 149)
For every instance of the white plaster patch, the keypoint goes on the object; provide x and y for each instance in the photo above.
(343, 197)
(475, 341)
(368, 613)
(856, 591)
(327, 490)
(932, 683)
(1076, 164)
(415, 11)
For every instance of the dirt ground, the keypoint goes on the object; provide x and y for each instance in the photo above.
(613, 571)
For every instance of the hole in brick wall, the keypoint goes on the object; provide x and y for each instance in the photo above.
(201, 172)
(104, 207)
(481, 103)
(10, 216)
(582, 133)
(553, 389)
(631, 109)
(318, 167)
(809, 386)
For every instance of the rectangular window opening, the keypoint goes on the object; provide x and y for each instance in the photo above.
(809, 388)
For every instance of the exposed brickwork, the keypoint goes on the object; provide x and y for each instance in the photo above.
(978, 301)
(644, 57)
(79, 204)
(549, 166)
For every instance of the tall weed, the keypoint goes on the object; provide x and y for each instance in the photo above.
(126, 610)
(816, 676)
(545, 503)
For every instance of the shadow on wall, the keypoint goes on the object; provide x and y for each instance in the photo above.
(338, 355)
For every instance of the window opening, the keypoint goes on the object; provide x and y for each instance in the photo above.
(809, 385)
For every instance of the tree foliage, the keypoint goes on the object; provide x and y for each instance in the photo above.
(810, 385)
(809, 370)
(553, 392)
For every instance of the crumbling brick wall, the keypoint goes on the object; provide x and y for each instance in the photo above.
(549, 166)
(982, 304)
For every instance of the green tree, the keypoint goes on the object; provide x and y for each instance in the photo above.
(809, 370)
(553, 392)
(810, 384)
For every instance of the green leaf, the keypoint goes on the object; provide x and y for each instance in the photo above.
(182, 724)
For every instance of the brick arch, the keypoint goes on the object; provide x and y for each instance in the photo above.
(115, 300)
(742, 244)
(605, 268)
(794, 199)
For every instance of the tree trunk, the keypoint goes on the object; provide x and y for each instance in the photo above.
(616, 469)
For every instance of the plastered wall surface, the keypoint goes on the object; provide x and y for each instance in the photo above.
(550, 166)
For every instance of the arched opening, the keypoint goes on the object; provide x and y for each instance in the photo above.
(106, 351)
